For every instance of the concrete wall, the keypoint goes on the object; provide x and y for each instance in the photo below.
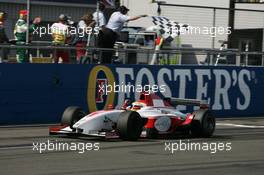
(249, 20)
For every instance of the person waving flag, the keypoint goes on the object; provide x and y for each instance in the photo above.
(109, 2)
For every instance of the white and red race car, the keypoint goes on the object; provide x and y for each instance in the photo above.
(149, 117)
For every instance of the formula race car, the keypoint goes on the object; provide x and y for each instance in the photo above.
(149, 117)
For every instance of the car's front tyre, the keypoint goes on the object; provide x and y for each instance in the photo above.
(129, 125)
(71, 115)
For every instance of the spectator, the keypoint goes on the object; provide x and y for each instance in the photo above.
(3, 37)
(60, 34)
(109, 34)
(85, 29)
(20, 33)
(149, 41)
(99, 17)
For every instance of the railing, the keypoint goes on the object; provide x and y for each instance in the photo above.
(143, 55)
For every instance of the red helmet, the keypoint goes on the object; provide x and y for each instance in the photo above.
(23, 13)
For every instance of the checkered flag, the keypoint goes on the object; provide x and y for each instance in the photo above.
(167, 28)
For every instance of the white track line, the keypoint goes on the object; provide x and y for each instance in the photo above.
(237, 125)
(16, 147)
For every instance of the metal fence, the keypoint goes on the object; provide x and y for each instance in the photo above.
(213, 24)
(210, 31)
(141, 55)
(213, 19)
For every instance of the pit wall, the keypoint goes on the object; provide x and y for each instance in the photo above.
(38, 93)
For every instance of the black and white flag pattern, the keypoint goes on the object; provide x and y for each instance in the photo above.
(168, 28)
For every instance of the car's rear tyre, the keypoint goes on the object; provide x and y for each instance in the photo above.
(151, 133)
(71, 115)
(203, 124)
(129, 125)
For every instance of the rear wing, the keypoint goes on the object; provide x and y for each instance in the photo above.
(194, 102)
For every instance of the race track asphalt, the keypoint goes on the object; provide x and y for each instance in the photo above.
(146, 156)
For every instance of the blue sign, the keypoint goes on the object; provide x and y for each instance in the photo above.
(39, 93)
